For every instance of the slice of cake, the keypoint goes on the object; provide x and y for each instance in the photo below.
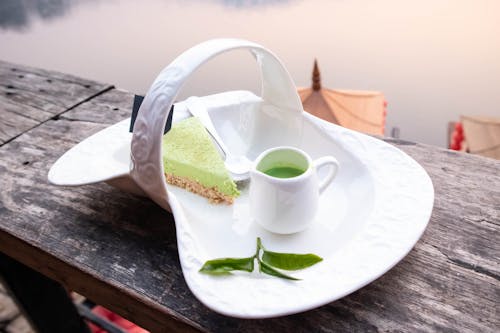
(191, 161)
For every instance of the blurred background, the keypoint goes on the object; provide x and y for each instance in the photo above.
(434, 60)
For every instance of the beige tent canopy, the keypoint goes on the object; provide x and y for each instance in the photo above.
(362, 111)
(482, 135)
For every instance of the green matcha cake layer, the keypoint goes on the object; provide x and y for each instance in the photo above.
(188, 151)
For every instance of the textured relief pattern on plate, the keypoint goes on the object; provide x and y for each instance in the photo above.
(402, 208)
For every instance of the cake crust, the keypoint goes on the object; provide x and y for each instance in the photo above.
(212, 194)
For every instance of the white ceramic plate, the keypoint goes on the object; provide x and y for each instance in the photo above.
(368, 220)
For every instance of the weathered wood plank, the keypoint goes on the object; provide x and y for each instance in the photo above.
(467, 205)
(449, 282)
(154, 226)
(29, 96)
(120, 270)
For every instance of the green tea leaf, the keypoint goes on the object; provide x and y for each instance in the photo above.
(290, 261)
(224, 266)
(265, 268)
(267, 264)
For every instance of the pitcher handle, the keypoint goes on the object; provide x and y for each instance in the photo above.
(327, 161)
(278, 89)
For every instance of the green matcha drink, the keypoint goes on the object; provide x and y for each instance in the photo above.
(284, 172)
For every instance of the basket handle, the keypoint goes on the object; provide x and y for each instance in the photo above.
(278, 89)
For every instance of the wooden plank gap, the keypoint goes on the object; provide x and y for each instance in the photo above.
(469, 266)
(56, 117)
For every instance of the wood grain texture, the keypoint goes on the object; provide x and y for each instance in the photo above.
(120, 250)
(29, 96)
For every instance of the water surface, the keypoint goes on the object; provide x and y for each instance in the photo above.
(433, 59)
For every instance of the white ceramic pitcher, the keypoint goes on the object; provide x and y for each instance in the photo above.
(287, 204)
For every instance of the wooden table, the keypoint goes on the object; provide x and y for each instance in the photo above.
(120, 250)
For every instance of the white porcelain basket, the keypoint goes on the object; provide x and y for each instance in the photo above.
(368, 219)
